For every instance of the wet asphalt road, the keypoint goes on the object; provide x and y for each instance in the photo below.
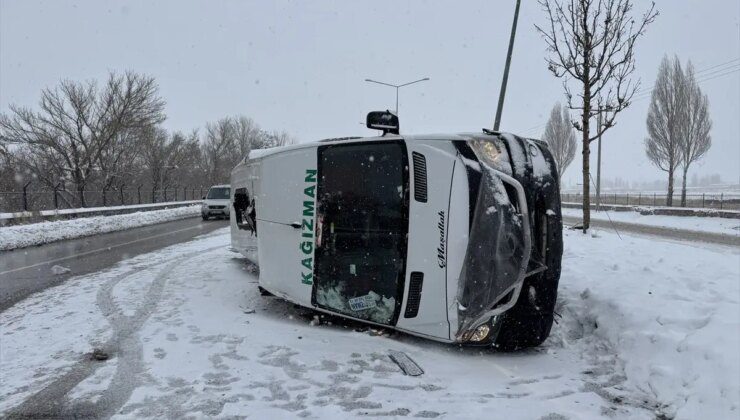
(28, 270)
(663, 232)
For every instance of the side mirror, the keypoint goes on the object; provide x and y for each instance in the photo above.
(386, 121)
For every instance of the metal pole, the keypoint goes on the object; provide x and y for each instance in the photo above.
(505, 79)
(598, 166)
(397, 100)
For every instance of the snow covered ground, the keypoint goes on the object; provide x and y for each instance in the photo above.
(649, 329)
(699, 224)
(20, 236)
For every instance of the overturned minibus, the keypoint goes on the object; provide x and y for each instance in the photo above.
(456, 238)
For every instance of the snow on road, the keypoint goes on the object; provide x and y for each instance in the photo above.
(648, 328)
(21, 236)
(693, 223)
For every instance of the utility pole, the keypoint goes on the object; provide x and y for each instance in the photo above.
(598, 166)
(505, 79)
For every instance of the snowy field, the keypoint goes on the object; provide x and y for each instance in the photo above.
(21, 236)
(694, 223)
(648, 329)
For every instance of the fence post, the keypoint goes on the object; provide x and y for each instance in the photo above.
(615, 198)
(56, 199)
(138, 192)
(721, 200)
(702, 200)
(122, 191)
(653, 199)
(165, 195)
(25, 196)
(192, 194)
(201, 191)
(639, 199)
(184, 194)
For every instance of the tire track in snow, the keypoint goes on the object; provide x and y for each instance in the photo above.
(124, 347)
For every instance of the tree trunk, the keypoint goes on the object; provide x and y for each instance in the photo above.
(669, 198)
(683, 187)
(586, 156)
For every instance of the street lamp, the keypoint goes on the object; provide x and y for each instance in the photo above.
(396, 86)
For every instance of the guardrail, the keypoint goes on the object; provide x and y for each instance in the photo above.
(39, 215)
(718, 201)
(664, 211)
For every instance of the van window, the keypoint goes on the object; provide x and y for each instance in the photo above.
(218, 193)
(362, 227)
(244, 210)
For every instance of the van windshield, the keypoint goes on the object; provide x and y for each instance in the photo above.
(218, 193)
(362, 222)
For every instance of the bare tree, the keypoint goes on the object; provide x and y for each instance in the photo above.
(219, 150)
(561, 138)
(677, 122)
(170, 160)
(695, 126)
(592, 46)
(77, 122)
(246, 133)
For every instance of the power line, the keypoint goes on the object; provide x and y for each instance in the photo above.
(704, 70)
(712, 75)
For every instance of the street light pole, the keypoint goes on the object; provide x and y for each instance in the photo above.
(505, 79)
(396, 86)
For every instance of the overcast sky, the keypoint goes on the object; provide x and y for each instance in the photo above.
(300, 66)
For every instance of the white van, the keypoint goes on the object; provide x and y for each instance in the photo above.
(456, 238)
(217, 202)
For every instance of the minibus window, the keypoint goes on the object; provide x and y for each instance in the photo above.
(363, 224)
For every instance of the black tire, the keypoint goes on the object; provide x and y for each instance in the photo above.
(205, 217)
(529, 322)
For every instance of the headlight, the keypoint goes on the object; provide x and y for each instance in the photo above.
(492, 152)
(480, 333)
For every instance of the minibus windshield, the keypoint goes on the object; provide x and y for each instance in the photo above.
(498, 249)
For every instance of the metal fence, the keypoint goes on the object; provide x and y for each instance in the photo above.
(711, 201)
(30, 200)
